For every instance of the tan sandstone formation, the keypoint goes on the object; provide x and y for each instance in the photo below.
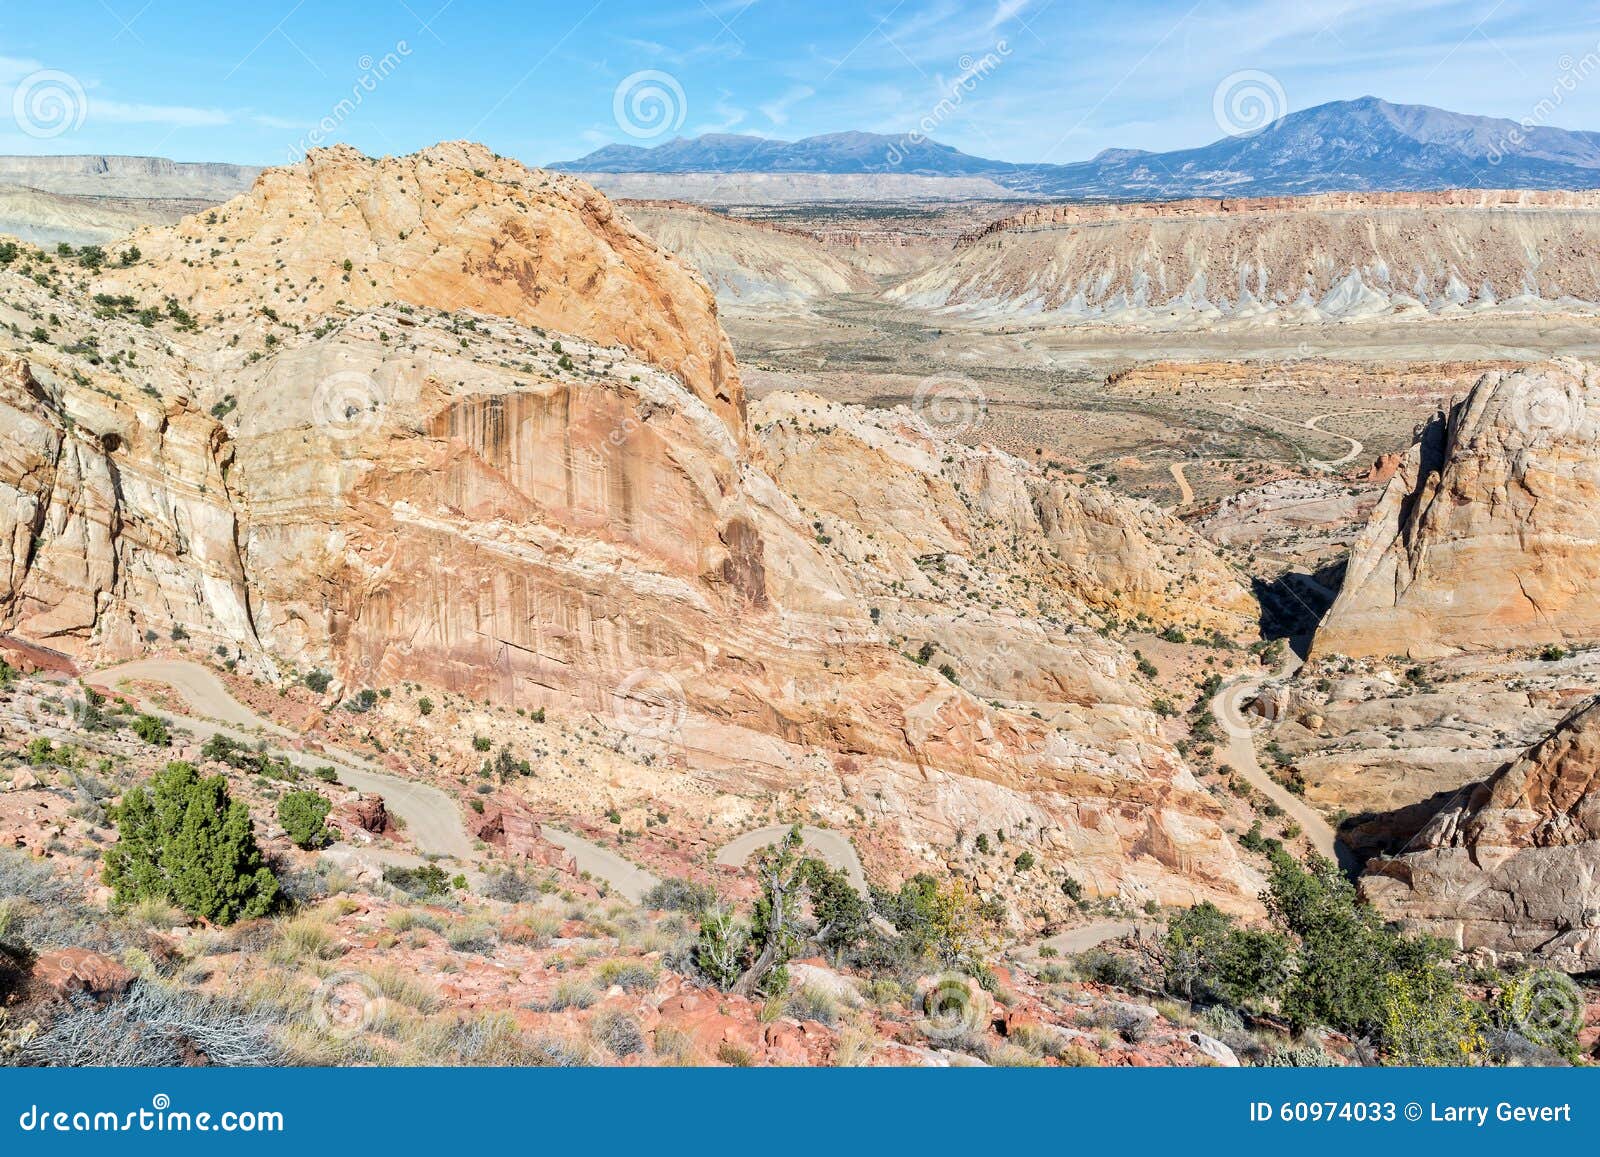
(1487, 536)
(1511, 864)
(446, 420)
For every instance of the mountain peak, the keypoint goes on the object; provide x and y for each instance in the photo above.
(1363, 144)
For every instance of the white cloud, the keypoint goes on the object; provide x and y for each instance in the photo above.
(179, 116)
(14, 68)
(1004, 11)
(777, 111)
(272, 122)
(729, 116)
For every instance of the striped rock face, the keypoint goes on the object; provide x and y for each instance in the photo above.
(1487, 537)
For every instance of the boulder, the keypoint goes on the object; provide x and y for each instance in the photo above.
(1488, 535)
(1511, 865)
(67, 971)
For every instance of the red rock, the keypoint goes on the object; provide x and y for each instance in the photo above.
(367, 813)
(489, 827)
(69, 970)
(1384, 468)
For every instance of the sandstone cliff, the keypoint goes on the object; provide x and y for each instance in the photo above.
(445, 420)
(1511, 864)
(1486, 538)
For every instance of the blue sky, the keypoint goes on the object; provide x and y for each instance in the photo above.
(1044, 79)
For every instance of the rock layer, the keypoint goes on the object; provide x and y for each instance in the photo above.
(444, 420)
(1280, 259)
(1512, 864)
(1487, 536)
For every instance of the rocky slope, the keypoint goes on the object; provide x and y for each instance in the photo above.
(139, 177)
(750, 264)
(48, 219)
(1486, 537)
(444, 420)
(1308, 260)
(1510, 864)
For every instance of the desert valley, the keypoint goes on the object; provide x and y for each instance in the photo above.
(689, 616)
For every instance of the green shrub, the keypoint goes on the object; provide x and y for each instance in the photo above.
(185, 840)
(428, 880)
(302, 814)
(318, 681)
(1207, 957)
(720, 947)
(676, 894)
(425, 705)
(152, 730)
(1345, 953)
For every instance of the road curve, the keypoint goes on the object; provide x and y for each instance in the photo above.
(830, 847)
(1239, 752)
(624, 877)
(431, 817)
(1078, 940)
(1185, 491)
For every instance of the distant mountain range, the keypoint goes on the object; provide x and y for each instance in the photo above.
(1343, 145)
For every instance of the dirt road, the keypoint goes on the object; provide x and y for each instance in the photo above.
(432, 818)
(1184, 489)
(830, 847)
(1078, 940)
(1238, 750)
(624, 877)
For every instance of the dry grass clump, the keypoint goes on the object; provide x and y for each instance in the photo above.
(535, 928)
(629, 975)
(476, 935)
(855, 1047)
(810, 1002)
(307, 937)
(618, 1032)
(406, 919)
(673, 1046)
(570, 992)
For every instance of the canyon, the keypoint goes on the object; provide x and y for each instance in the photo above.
(448, 420)
(919, 520)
